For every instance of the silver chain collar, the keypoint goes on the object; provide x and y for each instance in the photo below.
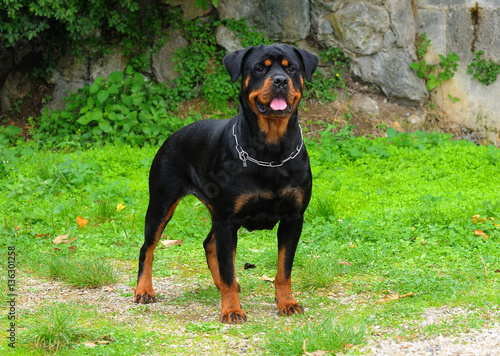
(244, 157)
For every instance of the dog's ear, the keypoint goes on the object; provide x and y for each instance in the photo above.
(310, 62)
(234, 61)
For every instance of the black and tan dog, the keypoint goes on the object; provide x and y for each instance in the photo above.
(251, 171)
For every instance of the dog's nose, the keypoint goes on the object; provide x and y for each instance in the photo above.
(280, 81)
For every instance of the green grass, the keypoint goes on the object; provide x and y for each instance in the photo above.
(89, 272)
(80, 271)
(328, 334)
(58, 327)
(388, 215)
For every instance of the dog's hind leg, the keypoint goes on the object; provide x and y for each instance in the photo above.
(159, 213)
(211, 255)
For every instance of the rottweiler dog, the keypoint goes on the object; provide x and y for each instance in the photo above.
(252, 171)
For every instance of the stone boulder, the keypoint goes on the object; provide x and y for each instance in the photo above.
(391, 71)
(284, 21)
(379, 37)
(163, 64)
(227, 39)
(360, 26)
(321, 12)
(103, 67)
(70, 74)
(189, 9)
(62, 89)
(16, 86)
(365, 105)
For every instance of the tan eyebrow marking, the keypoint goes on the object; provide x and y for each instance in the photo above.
(267, 62)
(284, 62)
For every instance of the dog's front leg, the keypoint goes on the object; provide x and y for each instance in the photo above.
(288, 237)
(225, 245)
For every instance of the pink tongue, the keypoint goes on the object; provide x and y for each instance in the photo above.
(278, 103)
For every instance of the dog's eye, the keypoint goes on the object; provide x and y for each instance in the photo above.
(260, 69)
(290, 69)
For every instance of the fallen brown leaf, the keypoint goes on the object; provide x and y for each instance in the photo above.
(72, 248)
(480, 233)
(266, 278)
(170, 243)
(81, 221)
(63, 239)
(391, 297)
(108, 289)
(478, 219)
(42, 235)
(345, 263)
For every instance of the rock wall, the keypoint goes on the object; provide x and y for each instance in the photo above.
(464, 27)
(378, 36)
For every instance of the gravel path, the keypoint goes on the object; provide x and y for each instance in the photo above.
(35, 293)
(474, 343)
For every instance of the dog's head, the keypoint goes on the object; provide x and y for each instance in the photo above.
(272, 80)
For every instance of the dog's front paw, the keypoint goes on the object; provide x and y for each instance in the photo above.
(233, 316)
(144, 297)
(290, 308)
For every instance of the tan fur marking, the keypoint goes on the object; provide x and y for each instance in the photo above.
(273, 126)
(230, 302)
(264, 94)
(294, 193)
(145, 283)
(283, 288)
(244, 199)
(212, 262)
(284, 62)
(268, 62)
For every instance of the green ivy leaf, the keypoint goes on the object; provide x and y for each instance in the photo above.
(391, 133)
(85, 119)
(105, 126)
(94, 88)
(431, 84)
(113, 89)
(102, 96)
(116, 77)
(415, 65)
(12, 130)
(97, 115)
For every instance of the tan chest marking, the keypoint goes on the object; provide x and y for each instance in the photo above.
(294, 194)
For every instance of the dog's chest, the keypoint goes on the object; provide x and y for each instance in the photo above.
(263, 209)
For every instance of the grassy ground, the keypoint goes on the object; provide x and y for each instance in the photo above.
(415, 216)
